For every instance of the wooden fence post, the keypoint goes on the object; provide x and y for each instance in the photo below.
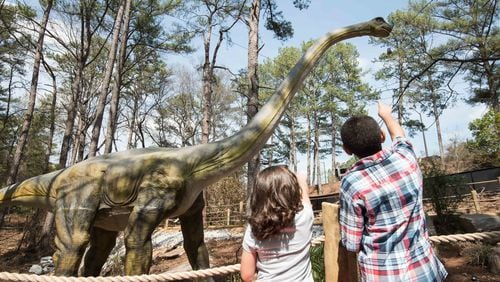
(475, 200)
(340, 265)
(242, 211)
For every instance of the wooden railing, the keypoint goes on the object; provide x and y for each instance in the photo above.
(224, 216)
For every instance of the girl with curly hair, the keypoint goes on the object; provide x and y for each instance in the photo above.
(277, 238)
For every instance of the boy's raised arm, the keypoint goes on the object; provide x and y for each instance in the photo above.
(385, 112)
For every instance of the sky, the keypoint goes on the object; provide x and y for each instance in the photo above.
(323, 16)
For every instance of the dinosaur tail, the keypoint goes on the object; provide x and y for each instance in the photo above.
(35, 192)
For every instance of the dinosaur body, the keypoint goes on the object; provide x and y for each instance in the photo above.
(135, 190)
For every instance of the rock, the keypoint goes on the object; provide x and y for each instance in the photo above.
(480, 222)
(46, 261)
(494, 260)
(36, 269)
(176, 252)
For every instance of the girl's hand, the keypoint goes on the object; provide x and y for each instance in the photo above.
(302, 179)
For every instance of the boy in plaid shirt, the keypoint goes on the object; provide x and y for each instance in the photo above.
(381, 213)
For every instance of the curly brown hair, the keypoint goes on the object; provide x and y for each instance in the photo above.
(275, 200)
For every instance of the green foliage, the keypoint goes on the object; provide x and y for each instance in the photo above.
(414, 126)
(35, 154)
(431, 44)
(473, 43)
(350, 162)
(317, 263)
(444, 190)
(275, 21)
(14, 41)
(271, 73)
(486, 143)
(149, 27)
(331, 93)
(8, 136)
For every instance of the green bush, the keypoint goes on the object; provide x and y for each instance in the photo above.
(317, 263)
(445, 191)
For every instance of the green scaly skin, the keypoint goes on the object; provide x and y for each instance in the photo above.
(135, 190)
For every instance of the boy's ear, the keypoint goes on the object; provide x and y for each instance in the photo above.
(347, 151)
(382, 136)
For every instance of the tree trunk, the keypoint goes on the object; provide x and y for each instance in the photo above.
(79, 139)
(76, 85)
(207, 87)
(316, 153)
(113, 110)
(293, 146)
(96, 131)
(308, 148)
(131, 144)
(436, 113)
(423, 136)
(334, 145)
(253, 82)
(9, 98)
(23, 136)
(47, 230)
(492, 83)
(52, 119)
(70, 119)
(438, 129)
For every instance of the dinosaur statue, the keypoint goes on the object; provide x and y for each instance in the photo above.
(135, 190)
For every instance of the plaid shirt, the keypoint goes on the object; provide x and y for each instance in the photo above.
(382, 218)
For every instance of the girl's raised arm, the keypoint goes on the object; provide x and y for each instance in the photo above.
(301, 178)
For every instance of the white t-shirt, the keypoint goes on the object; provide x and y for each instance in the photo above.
(284, 257)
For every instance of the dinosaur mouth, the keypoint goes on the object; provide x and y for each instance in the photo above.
(383, 28)
(387, 29)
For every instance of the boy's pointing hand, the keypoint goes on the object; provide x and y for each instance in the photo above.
(384, 110)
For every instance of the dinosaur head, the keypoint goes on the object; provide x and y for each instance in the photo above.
(379, 27)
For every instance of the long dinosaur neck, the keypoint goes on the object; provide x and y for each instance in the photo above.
(232, 152)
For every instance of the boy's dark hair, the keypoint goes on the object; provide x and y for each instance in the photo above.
(361, 135)
(275, 200)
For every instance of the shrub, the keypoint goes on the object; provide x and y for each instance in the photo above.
(443, 190)
(477, 254)
(317, 263)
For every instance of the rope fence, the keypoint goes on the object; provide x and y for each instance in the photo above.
(168, 276)
(217, 271)
(477, 236)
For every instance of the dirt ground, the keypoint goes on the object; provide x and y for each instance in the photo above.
(222, 252)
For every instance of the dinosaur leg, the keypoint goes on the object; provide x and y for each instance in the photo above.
(72, 236)
(101, 243)
(192, 231)
(146, 215)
